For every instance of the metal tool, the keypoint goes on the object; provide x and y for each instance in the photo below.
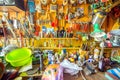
(40, 54)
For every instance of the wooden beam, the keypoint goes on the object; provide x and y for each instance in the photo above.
(115, 4)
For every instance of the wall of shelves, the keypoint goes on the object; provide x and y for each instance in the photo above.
(75, 48)
(57, 44)
(34, 43)
(69, 43)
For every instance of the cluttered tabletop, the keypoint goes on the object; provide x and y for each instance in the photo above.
(60, 40)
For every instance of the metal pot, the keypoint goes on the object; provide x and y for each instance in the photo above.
(115, 37)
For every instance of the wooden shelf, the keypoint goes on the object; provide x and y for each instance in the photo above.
(111, 48)
(69, 48)
(58, 38)
(56, 47)
(10, 9)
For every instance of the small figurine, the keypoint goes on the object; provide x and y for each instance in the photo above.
(62, 56)
(96, 54)
(79, 63)
(63, 33)
(82, 55)
(89, 69)
(90, 58)
(50, 57)
(89, 66)
(71, 57)
(53, 59)
(57, 58)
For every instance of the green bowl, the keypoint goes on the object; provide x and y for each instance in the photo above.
(19, 57)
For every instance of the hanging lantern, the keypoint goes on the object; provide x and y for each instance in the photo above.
(99, 18)
(97, 33)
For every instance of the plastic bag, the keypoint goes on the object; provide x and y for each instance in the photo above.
(70, 68)
(8, 49)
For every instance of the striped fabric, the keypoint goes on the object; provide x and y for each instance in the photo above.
(110, 76)
(115, 72)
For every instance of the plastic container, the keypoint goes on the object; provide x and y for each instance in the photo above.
(19, 57)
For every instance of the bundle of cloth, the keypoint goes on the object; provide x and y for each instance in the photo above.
(53, 72)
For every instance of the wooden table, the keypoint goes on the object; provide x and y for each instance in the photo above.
(96, 76)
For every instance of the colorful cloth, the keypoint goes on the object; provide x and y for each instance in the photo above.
(110, 76)
(53, 72)
(115, 72)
